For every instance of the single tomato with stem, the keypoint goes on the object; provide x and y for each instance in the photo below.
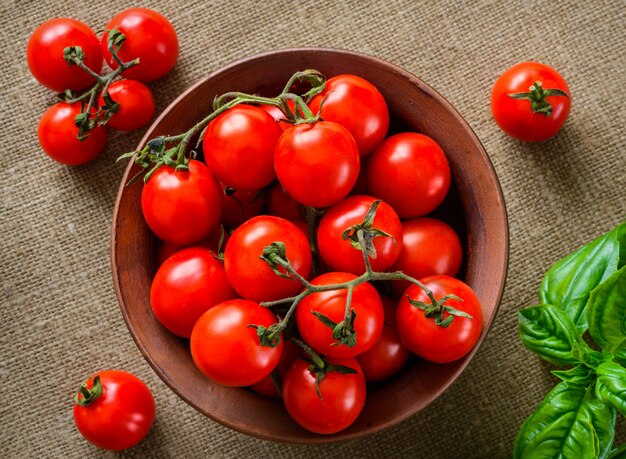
(114, 410)
(530, 102)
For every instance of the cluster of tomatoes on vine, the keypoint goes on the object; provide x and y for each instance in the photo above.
(65, 55)
(325, 204)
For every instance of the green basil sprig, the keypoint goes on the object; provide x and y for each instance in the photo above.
(584, 300)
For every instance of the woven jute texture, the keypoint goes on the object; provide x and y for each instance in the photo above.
(60, 319)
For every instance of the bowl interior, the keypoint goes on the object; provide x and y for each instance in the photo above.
(474, 207)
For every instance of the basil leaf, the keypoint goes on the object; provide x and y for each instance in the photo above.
(611, 385)
(606, 313)
(569, 282)
(549, 333)
(580, 375)
(570, 422)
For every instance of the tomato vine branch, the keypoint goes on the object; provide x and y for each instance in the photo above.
(85, 121)
(172, 150)
(276, 257)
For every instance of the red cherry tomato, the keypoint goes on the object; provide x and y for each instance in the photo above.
(239, 206)
(409, 172)
(182, 207)
(522, 119)
(357, 105)
(388, 355)
(45, 54)
(430, 247)
(120, 416)
(339, 255)
(239, 146)
(164, 249)
(136, 105)
(227, 350)
(57, 136)
(367, 325)
(149, 37)
(433, 342)
(186, 286)
(266, 386)
(343, 396)
(280, 204)
(250, 276)
(317, 164)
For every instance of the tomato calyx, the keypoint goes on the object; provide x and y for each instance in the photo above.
(268, 336)
(362, 234)
(436, 309)
(537, 97)
(84, 396)
(343, 331)
(319, 367)
(275, 255)
(88, 120)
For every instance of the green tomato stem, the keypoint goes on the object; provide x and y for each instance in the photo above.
(366, 258)
(309, 289)
(87, 123)
(154, 154)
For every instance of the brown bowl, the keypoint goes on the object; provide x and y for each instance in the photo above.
(475, 208)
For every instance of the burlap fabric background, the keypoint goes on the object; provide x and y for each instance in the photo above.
(60, 319)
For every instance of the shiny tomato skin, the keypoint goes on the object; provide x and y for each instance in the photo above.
(250, 276)
(317, 164)
(339, 255)
(239, 147)
(136, 105)
(266, 386)
(240, 206)
(302, 226)
(164, 249)
(182, 207)
(515, 116)
(388, 355)
(365, 302)
(410, 172)
(431, 341)
(57, 136)
(227, 350)
(343, 396)
(357, 105)
(149, 37)
(280, 204)
(430, 247)
(121, 416)
(45, 54)
(186, 285)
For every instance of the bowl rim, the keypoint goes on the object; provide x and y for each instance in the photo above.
(502, 275)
